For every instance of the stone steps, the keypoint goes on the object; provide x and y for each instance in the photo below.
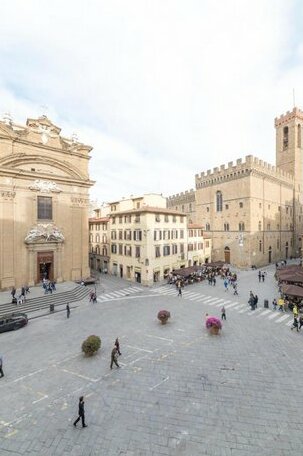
(44, 301)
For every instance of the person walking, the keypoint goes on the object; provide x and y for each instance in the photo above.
(281, 304)
(214, 281)
(274, 304)
(13, 292)
(67, 310)
(235, 287)
(179, 290)
(259, 275)
(295, 311)
(117, 345)
(81, 413)
(94, 298)
(226, 284)
(1, 366)
(300, 322)
(114, 356)
(256, 299)
(263, 276)
(295, 324)
(223, 313)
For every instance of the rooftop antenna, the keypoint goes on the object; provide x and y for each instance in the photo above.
(294, 97)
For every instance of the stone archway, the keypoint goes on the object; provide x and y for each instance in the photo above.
(227, 255)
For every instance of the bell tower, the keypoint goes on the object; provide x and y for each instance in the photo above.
(289, 152)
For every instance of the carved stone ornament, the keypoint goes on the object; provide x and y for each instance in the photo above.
(46, 233)
(45, 186)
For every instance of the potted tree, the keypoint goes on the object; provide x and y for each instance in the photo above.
(213, 324)
(163, 316)
(91, 345)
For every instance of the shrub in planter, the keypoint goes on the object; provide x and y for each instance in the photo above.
(213, 324)
(91, 345)
(163, 316)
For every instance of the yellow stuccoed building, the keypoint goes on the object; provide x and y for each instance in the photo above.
(44, 184)
(252, 210)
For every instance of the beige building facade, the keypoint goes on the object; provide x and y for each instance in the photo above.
(148, 241)
(251, 210)
(44, 185)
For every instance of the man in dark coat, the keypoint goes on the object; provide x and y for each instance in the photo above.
(1, 367)
(67, 310)
(81, 412)
(114, 356)
(117, 345)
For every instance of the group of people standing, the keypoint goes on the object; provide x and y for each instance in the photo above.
(253, 300)
(21, 297)
(48, 286)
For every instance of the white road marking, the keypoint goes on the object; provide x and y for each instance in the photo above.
(158, 384)
(274, 315)
(264, 312)
(282, 318)
(45, 396)
(229, 306)
(94, 380)
(141, 349)
(161, 338)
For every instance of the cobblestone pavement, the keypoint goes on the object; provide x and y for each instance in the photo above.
(179, 391)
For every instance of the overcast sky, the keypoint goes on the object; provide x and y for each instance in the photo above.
(162, 89)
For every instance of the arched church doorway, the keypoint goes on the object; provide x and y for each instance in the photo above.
(227, 255)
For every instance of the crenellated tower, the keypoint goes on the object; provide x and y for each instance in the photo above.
(289, 153)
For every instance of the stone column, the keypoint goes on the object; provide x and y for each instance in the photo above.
(32, 264)
(59, 263)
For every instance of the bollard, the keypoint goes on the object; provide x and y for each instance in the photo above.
(52, 307)
(265, 303)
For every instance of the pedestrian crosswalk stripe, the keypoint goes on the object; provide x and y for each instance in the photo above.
(265, 312)
(289, 323)
(231, 305)
(210, 300)
(282, 318)
(189, 295)
(197, 298)
(244, 310)
(219, 302)
(254, 312)
(131, 290)
(274, 315)
(116, 294)
(238, 307)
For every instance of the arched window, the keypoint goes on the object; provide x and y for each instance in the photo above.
(219, 201)
(207, 227)
(241, 226)
(104, 251)
(260, 246)
(260, 225)
(97, 237)
(299, 136)
(190, 207)
(226, 226)
(285, 137)
(98, 250)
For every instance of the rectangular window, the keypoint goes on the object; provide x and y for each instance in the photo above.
(174, 218)
(241, 204)
(166, 219)
(157, 218)
(200, 246)
(157, 251)
(137, 251)
(190, 247)
(181, 248)
(137, 235)
(181, 234)
(120, 249)
(45, 208)
(174, 249)
(120, 219)
(166, 250)
(113, 248)
(207, 244)
(113, 220)
(226, 206)
(120, 235)
(155, 235)
(113, 235)
(127, 250)
(137, 218)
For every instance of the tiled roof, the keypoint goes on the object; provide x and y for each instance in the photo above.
(148, 209)
(100, 219)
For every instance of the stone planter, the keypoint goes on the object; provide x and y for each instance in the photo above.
(163, 316)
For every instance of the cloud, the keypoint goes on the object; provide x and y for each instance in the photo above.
(162, 89)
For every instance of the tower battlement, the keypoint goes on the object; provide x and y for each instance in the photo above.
(183, 197)
(240, 169)
(290, 115)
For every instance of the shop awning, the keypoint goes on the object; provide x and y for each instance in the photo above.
(292, 290)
